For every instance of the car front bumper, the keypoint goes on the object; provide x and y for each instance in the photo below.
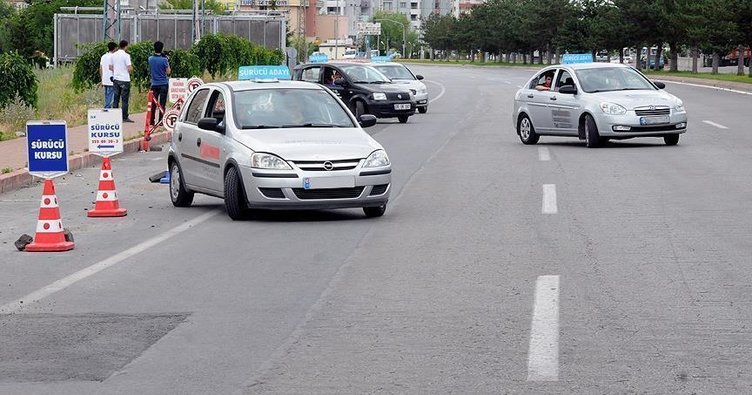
(630, 125)
(386, 109)
(297, 189)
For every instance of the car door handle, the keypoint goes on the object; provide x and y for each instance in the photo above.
(198, 142)
(530, 96)
(553, 97)
(180, 136)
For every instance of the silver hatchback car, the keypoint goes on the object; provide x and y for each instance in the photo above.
(276, 145)
(596, 102)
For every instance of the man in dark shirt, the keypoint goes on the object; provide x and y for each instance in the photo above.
(159, 69)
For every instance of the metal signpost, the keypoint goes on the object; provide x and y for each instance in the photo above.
(369, 29)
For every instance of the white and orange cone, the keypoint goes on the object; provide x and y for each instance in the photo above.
(50, 235)
(107, 204)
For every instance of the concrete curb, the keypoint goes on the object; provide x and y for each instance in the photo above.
(21, 178)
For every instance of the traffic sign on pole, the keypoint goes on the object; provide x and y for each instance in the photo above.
(105, 131)
(47, 148)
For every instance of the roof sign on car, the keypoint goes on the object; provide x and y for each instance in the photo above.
(264, 73)
(381, 59)
(571, 58)
(318, 58)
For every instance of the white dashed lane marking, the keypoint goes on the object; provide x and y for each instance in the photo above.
(543, 154)
(543, 355)
(718, 125)
(549, 199)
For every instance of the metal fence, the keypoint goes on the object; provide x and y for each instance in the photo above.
(174, 30)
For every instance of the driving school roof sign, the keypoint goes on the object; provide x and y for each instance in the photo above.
(571, 58)
(47, 148)
(264, 73)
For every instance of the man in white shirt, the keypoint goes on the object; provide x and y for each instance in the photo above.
(106, 74)
(121, 74)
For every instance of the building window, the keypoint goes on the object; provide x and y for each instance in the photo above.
(413, 17)
(403, 4)
(414, 6)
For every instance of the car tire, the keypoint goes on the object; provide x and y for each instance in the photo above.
(234, 195)
(423, 110)
(373, 212)
(526, 131)
(592, 138)
(178, 194)
(360, 109)
(671, 139)
(403, 118)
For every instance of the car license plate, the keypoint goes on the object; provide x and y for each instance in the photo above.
(654, 120)
(402, 106)
(328, 182)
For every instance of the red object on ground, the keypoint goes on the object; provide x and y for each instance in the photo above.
(147, 121)
(107, 204)
(50, 236)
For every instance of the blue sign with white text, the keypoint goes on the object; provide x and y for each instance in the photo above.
(264, 73)
(381, 59)
(47, 146)
(318, 58)
(570, 58)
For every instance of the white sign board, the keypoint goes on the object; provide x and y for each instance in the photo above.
(178, 89)
(369, 28)
(105, 131)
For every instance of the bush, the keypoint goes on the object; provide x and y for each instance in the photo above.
(86, 69)
(209, 52)
(18, 80)
(184, 64)
(15, 114)
(140, 53)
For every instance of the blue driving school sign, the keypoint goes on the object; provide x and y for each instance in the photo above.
(47, 147)
(264, 73)
(570, 58)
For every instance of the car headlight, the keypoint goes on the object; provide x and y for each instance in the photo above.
(260, 160)
(679, 107)
(377, 159)
(613, 109)
(422, 91)
(379, 96)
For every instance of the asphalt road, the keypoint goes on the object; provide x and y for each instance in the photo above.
(498, 268)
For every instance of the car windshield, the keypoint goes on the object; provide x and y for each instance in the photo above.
(289, 108)
(364, 74)
(395, 72)
(609, 79)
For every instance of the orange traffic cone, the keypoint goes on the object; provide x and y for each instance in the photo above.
(50, 236)
(107, 201)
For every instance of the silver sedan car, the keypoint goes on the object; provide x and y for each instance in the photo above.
(400, 74)
(596, 102)
(276, 145)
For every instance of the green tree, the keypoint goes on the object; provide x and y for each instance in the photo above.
(211, 5)
(393, 26)
(18, 80)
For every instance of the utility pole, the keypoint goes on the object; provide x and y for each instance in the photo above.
(111, 25)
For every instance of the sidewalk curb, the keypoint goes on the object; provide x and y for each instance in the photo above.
(21, 178)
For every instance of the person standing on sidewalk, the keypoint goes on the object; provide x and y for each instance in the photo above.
(159, 70)
(106, 74)
(121, 72)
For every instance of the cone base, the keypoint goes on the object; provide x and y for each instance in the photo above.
(50, 247)
(116, 212)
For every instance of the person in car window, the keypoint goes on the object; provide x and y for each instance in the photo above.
(546, 85)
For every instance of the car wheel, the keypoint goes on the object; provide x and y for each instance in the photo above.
(360, 109)
(526, 131)
(372, 212)
(671, 139)
(179, 196)
(403, 118)
(234, 195)
(423, 110)
(592, 139)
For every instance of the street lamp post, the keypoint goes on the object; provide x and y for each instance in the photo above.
(404, 31)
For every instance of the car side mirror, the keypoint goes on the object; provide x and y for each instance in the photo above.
(211, 124)
(568, 90)
(659, 84)
(367, 120)
(418, 76)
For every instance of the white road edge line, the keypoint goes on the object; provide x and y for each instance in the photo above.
(549, 199)
(711, 123)
(443, 90)
(709, 87)
(66, 282)
(543, 154)
(543, 355)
